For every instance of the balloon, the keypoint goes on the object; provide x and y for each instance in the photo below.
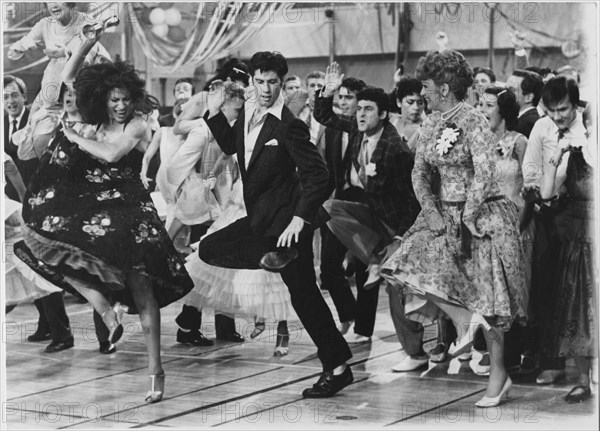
(160, 30)
(157, 16)
(176, 34)
(165, 5)
(173, 17)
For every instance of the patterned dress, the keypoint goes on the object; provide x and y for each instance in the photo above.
(90, 223)
(510, 182)
(571, 326)
(486, 275)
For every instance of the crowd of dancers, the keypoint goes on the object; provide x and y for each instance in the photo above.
(471, 201)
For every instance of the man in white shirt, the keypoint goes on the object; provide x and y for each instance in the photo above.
(564, 122)
(314, 82)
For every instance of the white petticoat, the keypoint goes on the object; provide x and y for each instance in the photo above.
(21, 283)
(242, 292)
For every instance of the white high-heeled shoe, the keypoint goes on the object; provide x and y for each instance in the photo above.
(494, 401)
(460, 346)
(157, 388)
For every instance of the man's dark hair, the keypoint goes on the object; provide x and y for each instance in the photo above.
(407, 86)
(486, 70)
(377, 95)
(189, 81)
(532, 84)
(559, 88)
(353, 84)
(10, 79)
(266, 61)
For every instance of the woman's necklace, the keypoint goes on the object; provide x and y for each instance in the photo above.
(450, 113)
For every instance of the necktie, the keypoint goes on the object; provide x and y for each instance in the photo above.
(362, 161)
(15, 125)
(308, 120)
(562, 133)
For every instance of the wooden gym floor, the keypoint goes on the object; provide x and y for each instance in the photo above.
(243, 386)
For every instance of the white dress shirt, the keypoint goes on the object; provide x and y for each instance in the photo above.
(542, 144)
(251, 131)
(365, 153)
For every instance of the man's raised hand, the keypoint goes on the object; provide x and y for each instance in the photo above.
(333, 79)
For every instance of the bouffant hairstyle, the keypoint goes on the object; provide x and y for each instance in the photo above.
(266, 61)
(94, 84)
(377, 95)
(234, 69)
(507, 105)
(446, 67)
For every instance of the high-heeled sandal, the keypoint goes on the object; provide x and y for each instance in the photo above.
(465, 343)
(259, 328)
(115, 327)
(495, 401)
(154, 395)
(281, 346)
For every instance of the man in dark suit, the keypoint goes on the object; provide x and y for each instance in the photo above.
(53, 323)
(527, 87)
(360, 310)
(382, 202)
(380, 164)
(16, 116)
(285, 183)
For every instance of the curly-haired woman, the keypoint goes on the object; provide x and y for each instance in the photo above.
(95, 228)
(463, 255)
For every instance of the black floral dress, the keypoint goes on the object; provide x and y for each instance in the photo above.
(92, 224)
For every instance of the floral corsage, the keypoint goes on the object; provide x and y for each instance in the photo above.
(449, 136)
(504, 149)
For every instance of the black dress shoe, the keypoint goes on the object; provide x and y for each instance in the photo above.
(275, 261)
(328, 384)
(234, 337)
(57, 346)
(193, 338)
(107, 347)
(583, 393)
(39, 336)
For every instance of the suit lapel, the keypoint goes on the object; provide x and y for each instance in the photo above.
(270, 123)
(381, 146)
(240, 137)
(355, 149)
(6, 130)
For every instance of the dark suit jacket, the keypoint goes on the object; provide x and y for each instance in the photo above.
(389, 193)
(526, 122)
(284, 180)
(335, 160)
(26, 167)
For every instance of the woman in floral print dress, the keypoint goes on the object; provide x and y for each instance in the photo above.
(91, 223)
(463, 256)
